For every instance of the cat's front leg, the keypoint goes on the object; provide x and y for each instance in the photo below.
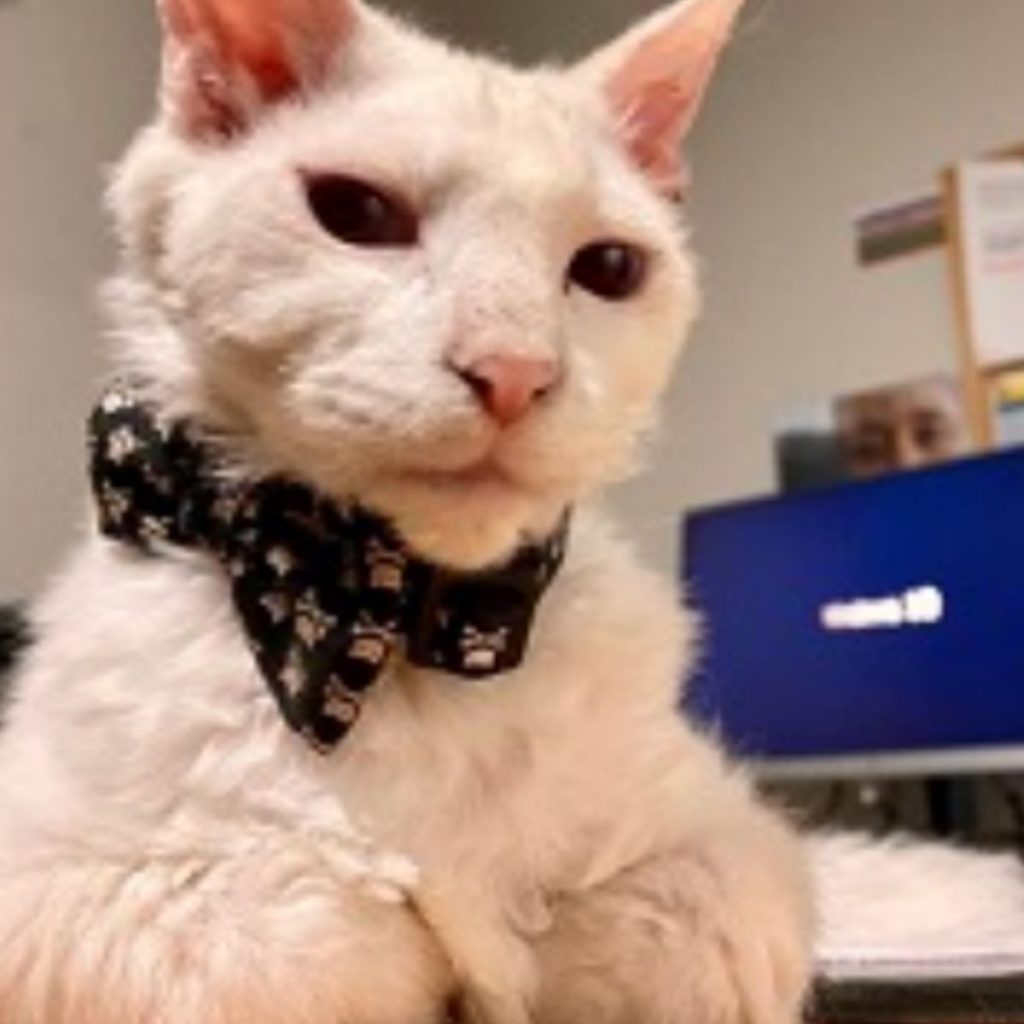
(494, 966)
(278, 936)
(712, 932)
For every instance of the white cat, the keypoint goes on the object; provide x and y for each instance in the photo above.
(452, 291)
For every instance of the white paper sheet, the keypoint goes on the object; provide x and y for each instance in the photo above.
(881, 964)
(992, 212)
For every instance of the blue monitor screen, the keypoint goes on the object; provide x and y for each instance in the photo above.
(885, 616)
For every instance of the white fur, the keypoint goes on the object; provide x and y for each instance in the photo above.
(555, 845)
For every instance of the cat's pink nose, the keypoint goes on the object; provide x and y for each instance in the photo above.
(509, 385)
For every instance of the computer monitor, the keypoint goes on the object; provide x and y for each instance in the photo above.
(866, 628)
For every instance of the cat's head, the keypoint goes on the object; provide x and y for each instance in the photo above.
(409, 275)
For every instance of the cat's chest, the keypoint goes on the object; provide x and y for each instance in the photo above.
(507, 779)
(530, 756)
(437, 757)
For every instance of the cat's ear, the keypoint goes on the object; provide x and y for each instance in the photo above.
(227, 60)
(655, 77)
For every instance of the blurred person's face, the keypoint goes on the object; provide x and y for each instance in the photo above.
(901, 428)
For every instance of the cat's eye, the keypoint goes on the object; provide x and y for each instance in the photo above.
(611, 270)
(359, 213)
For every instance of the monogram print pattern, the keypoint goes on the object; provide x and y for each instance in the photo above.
(327, 593)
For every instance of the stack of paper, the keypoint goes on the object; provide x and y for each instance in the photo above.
(916, 933)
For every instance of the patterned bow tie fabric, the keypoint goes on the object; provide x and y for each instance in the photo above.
(327, 593)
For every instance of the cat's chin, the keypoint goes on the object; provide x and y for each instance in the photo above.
(465, 524)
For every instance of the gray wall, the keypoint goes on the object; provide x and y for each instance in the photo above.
(824, 107)
(75, 77)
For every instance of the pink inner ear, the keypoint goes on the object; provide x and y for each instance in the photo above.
(657, 86)
(655, 129)
(251, 35)
(280, 46)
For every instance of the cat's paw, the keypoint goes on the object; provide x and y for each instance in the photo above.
(689, 938)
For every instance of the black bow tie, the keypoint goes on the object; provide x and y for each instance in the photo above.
(327, 593)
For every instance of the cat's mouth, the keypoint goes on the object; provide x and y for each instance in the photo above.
(485, 474)
(466, 515)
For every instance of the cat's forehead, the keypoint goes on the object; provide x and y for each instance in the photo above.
(473, 125)
(476, 110)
